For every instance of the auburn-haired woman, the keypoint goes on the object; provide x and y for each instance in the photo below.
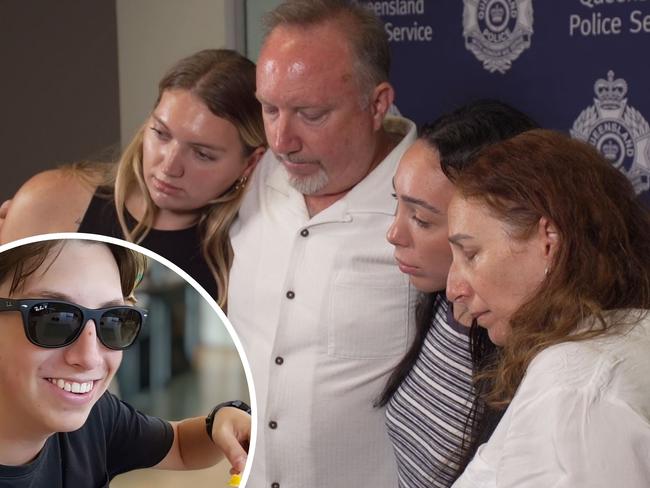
(551, 255)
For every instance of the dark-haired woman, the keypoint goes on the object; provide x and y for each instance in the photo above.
(430, 395)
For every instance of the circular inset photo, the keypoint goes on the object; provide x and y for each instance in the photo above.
(113, 360)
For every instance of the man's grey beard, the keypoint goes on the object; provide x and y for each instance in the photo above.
(308, 185)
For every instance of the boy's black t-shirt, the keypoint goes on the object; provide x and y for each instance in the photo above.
(116, 438)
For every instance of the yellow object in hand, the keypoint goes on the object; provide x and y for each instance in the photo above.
(235, 479)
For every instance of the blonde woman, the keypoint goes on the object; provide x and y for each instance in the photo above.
(178, 186)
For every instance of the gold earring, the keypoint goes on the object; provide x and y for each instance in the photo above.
(240, 184)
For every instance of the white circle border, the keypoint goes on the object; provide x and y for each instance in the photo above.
(173, 267)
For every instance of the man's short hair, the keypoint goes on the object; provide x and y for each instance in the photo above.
(364, 30)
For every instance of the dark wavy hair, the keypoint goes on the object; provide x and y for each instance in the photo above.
(458, 136)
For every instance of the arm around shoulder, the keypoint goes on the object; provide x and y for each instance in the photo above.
(51, 201)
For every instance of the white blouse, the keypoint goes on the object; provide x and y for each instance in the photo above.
(580, 418)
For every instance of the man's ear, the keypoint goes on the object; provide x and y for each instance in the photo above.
(381, 99)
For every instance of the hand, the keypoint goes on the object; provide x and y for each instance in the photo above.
(231, 432)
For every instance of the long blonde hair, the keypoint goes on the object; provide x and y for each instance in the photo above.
(225, 81)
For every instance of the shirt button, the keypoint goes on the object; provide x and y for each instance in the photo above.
(304, 232)
(279, 360)
(273, 424)
(275, 485)
(290, 295)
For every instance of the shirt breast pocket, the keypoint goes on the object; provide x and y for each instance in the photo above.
(368, 315)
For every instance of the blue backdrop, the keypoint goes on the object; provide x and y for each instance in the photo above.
(580, 66)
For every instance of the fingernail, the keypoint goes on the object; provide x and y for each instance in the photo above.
(240, 463)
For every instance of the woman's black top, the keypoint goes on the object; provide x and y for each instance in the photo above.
(181, 247)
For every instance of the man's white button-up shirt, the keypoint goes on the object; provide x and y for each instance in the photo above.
(324, 315)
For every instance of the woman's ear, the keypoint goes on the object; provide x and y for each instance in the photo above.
(253, 159)
(550, 237)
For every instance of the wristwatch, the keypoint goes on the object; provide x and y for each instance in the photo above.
(209, 420)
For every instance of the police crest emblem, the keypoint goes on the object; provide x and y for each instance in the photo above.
(617, 130)
(497, 31)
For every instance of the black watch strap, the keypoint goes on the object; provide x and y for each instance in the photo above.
(209, 420)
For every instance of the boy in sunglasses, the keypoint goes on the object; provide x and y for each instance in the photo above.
(65, 317)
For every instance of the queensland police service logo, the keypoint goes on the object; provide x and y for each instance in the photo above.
(497, 31)
(619, 132)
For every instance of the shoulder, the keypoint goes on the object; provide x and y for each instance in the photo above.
(572, 365)
(400, 133)
(51, 201)
(118, 417)
(133, 440)
(401, 129)
(401, 126)
(603, 366)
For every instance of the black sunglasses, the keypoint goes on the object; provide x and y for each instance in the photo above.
(54, 323)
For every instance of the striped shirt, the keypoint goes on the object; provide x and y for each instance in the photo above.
(426, 416)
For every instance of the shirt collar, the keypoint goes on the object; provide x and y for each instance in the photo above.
(370, 195)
